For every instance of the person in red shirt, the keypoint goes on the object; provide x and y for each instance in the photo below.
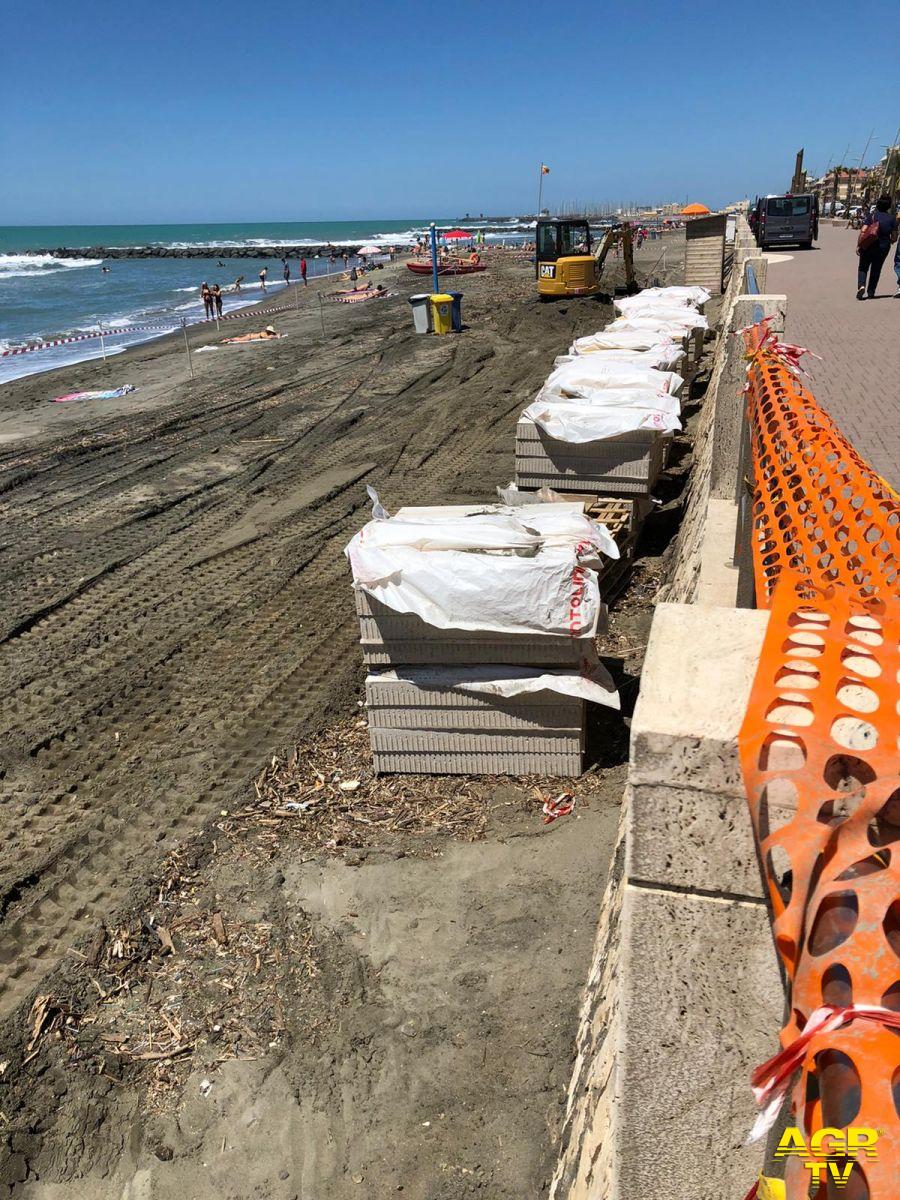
(303, 271)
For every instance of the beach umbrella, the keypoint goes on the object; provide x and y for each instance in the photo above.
(370, 250)
(695, 210)
(457, 235)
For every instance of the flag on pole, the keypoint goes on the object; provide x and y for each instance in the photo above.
(545, 170)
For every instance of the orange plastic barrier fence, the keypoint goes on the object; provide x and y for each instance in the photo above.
(819, 753)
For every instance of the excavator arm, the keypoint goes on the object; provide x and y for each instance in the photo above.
(618, 233)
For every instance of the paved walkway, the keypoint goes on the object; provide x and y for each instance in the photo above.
(858, 379)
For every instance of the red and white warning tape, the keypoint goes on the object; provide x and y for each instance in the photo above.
(80, 337)
(770, 1081)
(124, 329)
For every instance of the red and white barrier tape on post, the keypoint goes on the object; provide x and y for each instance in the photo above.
(118, 331)
(82, 337)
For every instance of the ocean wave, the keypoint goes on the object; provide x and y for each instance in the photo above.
(25, 265)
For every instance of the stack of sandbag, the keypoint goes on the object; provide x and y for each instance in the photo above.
(670, 312)
(603, 420)
(478, 626)
(611, 443)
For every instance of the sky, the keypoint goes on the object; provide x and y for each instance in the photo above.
(167, 112)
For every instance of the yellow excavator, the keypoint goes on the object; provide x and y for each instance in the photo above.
(563, 262)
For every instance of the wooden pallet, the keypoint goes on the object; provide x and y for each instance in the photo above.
(623, 519)
(616, 514)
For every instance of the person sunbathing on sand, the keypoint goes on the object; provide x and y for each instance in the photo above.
(262, 336)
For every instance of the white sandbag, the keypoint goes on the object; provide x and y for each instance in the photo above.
(692, 295)
(474, 572)
(660, 357)
(463, 527)
(590, 372)
(595, 684)
(545, 495)
(675, 322)
(576, 421)
(624, 339)
(664, 309)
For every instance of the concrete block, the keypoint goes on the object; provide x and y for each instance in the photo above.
(698, 671)
(404, 761)
(702, 1004)
(389, 638)
(627, 465)
(685, 839)
(718, 580)
(759, 263)
(402, 704)
(729, 399)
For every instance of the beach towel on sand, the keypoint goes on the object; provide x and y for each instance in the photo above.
(355, 297)
(111, 394)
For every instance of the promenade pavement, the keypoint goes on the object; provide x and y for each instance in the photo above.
(858, 377)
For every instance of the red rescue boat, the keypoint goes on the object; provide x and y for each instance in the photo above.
(423, 267)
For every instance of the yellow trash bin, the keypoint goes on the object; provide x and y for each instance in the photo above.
(441, 313)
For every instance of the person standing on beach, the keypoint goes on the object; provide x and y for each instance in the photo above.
(286, 272)
(217, 299)
(303, 271)
(346, 257)
(262, 277)
(875, 241)
(206, 297)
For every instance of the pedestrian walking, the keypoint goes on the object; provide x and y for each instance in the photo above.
(217, 299)
(874, 242)
(286, 272)
(206, 297)
(262, 277)
(303, 271)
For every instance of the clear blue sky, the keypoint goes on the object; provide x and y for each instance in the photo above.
(119, 112)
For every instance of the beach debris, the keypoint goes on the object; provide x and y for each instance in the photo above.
(218, 929)
(165, 939)
(554, 809)
(108, 394)
(47, 1016)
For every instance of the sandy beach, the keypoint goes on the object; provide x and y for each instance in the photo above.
(175, 614)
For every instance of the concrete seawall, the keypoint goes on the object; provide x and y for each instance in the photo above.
(684, 991)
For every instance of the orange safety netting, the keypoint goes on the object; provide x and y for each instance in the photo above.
(819, 753)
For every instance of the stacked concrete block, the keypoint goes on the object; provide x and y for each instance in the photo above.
(389, 638)
(430, 722)
(471, 701)
(626, 465)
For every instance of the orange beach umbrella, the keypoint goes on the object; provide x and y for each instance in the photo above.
(695, 210)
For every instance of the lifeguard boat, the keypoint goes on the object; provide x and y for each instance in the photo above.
(423, 267)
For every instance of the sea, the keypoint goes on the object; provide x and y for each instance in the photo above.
(45, 298)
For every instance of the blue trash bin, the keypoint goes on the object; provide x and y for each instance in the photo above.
(456, 311)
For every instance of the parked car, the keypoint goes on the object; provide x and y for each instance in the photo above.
(787, 220)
